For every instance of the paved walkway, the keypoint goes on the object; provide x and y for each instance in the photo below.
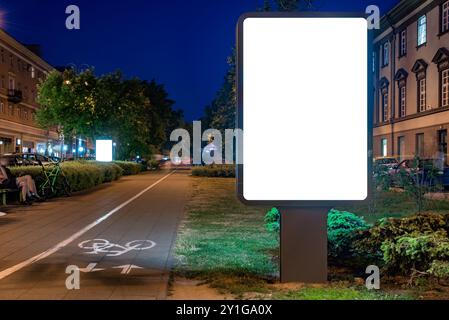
(134, 221)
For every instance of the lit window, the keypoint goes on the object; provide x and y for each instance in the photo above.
(385, 113)
(445, 88)
(403, 101)
(422, 30)
(384, 147)
(445, 17)
(386, 54)
(403, 43)
(33, 72)
(422, 99)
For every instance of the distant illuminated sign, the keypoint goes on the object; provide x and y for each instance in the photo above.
(103, 150)
(304, 109)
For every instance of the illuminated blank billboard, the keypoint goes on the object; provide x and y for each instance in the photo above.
(303, 108)
(103, 150)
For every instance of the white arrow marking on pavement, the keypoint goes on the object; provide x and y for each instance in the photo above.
(126, 269)
(62, 244)
(2, 214)
(90, 268)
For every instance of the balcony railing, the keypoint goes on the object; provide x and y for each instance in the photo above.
(15, 96)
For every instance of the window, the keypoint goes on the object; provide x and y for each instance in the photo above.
(445, 88)
(25, 114)
(33, 72)
(384, 147)
(386, 54)
(374, 61)
(445, 17)
(11, 59)
(422, 98)
(2, 107)
(419, 147)
(403, 101)
(12, 84)
(11, 110)
(422, 30)
(385, 113)
(2, 82)
(403, 43)
(2, 55)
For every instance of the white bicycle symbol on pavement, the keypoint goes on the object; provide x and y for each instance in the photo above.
(114, 250)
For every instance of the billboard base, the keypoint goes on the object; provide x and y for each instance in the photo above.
(303, 244)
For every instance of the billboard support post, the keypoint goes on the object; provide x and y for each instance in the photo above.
(303, 244)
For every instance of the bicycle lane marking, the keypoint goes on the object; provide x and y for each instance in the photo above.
(104, 246)
(5, 273)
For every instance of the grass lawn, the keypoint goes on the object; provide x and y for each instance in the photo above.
(225, 244)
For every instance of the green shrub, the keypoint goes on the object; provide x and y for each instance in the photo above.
(272, 220)
(403, 244)
(222, 170)
(129, 168)
(391, 228)
(81, 175)
(342, 229)
(416, 252)
(439, 269)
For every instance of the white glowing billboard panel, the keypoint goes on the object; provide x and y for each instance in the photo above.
(304, 108)
(103, 150)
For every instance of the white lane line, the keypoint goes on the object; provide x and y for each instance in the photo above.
(76, 235)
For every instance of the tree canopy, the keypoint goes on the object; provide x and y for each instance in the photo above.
(136, 114)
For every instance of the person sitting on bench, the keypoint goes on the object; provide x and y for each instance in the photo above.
(25, 183)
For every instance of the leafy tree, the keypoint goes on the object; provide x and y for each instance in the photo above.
(68, 101)
(221, 113)
(136, 114)
(160, 114)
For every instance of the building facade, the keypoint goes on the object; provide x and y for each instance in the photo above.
(411, 70)
(20, 72)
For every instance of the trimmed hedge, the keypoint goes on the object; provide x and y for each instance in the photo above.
(81, 175)
(129, 168)
(216, 170)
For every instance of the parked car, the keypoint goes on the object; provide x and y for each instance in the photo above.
(387, 162)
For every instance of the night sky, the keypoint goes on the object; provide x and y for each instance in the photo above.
(182, 44)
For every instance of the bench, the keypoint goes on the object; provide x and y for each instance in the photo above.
(4, 192)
